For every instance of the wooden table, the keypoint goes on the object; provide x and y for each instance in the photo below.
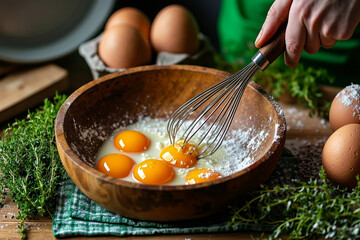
(303, 134)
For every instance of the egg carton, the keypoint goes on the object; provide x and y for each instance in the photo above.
(205, 56)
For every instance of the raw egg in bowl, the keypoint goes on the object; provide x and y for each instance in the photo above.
(116, 110)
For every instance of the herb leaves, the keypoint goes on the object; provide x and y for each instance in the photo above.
(302, 83)
(30, 164)
(306, 210)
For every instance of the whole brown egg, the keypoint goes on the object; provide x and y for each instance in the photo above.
(174, 30)
(132, 16)
(345, 107)
(341, 156)
(123, 46)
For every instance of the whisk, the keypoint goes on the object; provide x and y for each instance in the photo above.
(213, 110)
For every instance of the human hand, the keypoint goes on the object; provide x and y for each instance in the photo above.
(310, 24)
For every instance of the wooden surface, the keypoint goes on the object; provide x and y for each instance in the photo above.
(28, 86)
(303, 133)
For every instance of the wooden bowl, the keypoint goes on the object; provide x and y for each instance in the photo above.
(94, 111)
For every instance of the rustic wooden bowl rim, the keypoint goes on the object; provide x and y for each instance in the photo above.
(62, 143)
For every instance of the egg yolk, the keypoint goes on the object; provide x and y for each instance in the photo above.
(131, 141)
(201, 175)
(153, 172)
(178, 156)
(116, 165)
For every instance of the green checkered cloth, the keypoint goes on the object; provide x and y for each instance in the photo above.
(77, 215)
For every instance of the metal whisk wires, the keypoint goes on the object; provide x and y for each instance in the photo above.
(210, 112)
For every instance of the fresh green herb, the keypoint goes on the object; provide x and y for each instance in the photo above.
(307, 210)
(30, 164)
(300, 82)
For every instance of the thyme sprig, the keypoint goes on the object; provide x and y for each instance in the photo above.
(301, 83)
(30, 165)
(306, 210)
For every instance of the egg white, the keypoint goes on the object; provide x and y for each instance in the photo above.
(155, 130)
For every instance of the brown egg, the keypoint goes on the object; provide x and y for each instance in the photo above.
(345, 107)
(123, 46)
(341, 156)
(132, 16)
(174, 30)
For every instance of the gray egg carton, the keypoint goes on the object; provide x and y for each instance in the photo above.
(205, 56)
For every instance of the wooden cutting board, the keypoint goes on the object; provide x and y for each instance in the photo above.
(26, 87)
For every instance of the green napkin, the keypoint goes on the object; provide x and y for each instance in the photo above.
(77, 215)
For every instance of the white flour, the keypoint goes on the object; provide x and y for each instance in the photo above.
(350, 96)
